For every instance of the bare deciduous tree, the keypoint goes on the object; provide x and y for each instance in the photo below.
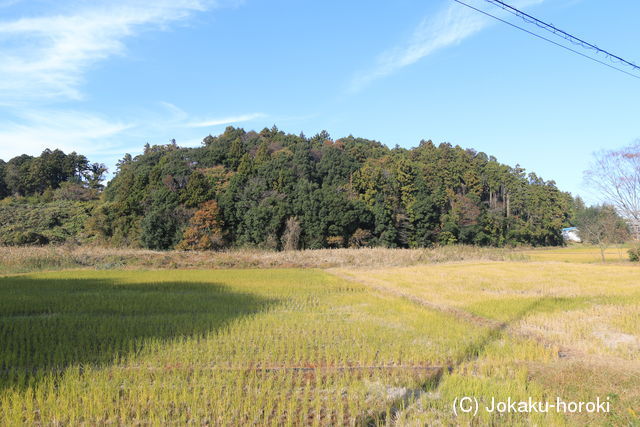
(601, 226)
(615, 174)
(291, 235)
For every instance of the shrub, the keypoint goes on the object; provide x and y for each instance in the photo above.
(335, 241)
(76, 192)
(26, 223)
(360, 238)
(447, 238)
(29, 238)
(634, 254)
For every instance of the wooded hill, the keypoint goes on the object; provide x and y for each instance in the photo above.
(282, 191)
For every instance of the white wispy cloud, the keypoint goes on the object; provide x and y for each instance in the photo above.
(46, 57)
(449, 27)
(32, 131)
(177, 113)
(226, 120)
(43, 62)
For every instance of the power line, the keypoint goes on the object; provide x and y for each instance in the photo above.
(547, 39)
(558, 32)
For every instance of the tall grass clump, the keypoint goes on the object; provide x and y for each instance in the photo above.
(40, 258)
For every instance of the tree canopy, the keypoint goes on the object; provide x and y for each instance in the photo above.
(601, 226)
(615, 175)
(27, 175)
(283, 191)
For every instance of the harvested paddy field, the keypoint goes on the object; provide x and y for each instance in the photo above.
(387, 345)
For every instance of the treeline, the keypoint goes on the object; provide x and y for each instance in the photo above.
(51, 197)
(282, 191)
(28, 175)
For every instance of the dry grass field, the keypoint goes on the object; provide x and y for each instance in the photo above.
(579, 253)
(372, 337)
(26, 259)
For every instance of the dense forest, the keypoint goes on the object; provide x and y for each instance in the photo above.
(283, 191)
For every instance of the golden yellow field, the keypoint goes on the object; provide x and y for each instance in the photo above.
(579, 253)
(569, 330)
(361, 344)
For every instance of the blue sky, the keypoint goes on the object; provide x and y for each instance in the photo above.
(103, 78)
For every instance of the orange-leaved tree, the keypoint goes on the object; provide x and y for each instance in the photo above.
(205, 229)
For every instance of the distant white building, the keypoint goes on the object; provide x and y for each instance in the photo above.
(634, 228)
(571, 234)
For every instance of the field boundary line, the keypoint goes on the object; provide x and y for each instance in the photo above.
(328, 368)
(460, 314)
(296, 368)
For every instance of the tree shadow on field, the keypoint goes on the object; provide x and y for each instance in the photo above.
(496, 330)
(48, 325)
